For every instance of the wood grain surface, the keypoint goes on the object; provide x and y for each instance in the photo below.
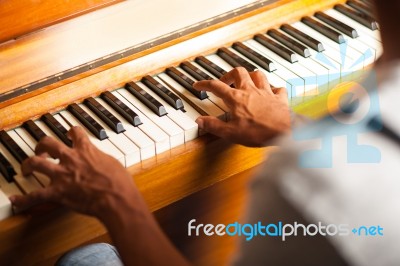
(21, 17)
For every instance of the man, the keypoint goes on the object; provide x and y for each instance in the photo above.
(341, 194)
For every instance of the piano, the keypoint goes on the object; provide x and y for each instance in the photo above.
(123, 70)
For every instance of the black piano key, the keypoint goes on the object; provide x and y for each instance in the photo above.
(12, 147)
(186, 82)
(88, 121)
(289, 42)
(254, 56)
(121, 108)
(276, 47)
(163, 92)
(304, 38)
(6, 169)
(334, 23)
(104, 115)
(323, 29)
(194, 71)
(235, 60)
(361, 7)
(210, 66)
(146, 98)
(361, 18)
(57, 128)
(33, 130)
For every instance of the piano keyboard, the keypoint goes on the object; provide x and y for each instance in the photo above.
(146, 118)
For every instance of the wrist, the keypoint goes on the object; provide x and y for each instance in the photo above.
(118, 211)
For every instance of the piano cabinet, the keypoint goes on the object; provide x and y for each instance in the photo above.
(202, 166)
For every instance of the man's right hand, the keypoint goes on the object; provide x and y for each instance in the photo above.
(257, 112)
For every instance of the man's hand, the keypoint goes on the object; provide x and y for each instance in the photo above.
(91, 182)
(86, 179)
(257, 112)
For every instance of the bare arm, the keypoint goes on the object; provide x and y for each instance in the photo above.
(91, 182)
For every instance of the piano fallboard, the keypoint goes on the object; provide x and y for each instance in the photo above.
(43, 235)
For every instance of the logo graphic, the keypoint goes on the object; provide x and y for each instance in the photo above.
(281, 230)
(350, 106)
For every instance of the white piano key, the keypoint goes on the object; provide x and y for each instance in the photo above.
(121, 142)
(175, 133)
(320, 70)
(203, 69)
(273, 79)
(43, 179)
(219, 61)
(29, 140)
(211, 96)
(368, 51)
(141, 140)
(283, 69)
(9, 188)
(206, 106)
(32, 143)
(5, 206)
(105, 146)
(190, 127)
(46, 130)
(375, 34)
(160, 138)
(310, 77)
(27, 184)
(190, 111)
(326, 59)
(343, 52)
(367, 36)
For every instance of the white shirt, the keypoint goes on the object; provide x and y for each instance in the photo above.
(365, 193)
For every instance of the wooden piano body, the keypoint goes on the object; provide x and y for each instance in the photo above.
(45, 70)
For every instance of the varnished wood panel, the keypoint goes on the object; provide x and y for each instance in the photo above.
(183, 171)
(225, 202)
(19, 17)
(98, 34)
(36, 238)
(151, 61)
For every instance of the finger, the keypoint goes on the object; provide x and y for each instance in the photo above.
(215, 126)
(50, 146)
(41, 165)
(78, 136)
(260, 80)
(281, 92)
(24, 202)
(238, 76)
(217, 87)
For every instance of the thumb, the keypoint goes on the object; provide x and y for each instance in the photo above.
(24, 202)
(214, 126)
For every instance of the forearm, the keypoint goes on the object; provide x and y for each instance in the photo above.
(138, 238)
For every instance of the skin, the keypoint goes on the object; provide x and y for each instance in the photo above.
(258, 112)
(83, 181)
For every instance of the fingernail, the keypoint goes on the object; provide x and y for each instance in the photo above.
(200, 122)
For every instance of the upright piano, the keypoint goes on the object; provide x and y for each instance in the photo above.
(124, 70)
